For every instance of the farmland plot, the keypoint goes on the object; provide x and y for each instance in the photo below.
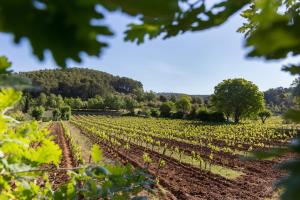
(192, 160)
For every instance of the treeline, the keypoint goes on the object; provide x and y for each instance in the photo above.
(80, 82)
(280, 99)
(144, 104)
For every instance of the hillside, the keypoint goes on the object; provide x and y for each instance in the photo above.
(80, 82)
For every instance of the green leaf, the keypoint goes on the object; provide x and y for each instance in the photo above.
(47, 152)
(8, 97)
(100, 171)
(293, 69)
(96, 154)
(4, 65)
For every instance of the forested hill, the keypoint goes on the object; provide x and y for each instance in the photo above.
(81, 82)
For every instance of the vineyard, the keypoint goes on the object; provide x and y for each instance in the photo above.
(188, 159)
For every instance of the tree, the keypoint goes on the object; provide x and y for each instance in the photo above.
(183, 104)
(113, 102)
(166, 108)
(197, 100)
(59, 101)
(52, 101)
(238, 97)
(173, 98)
(163, 98)
(56, 114)
(149, 96)
(130, 104)
(38, 112)
(65, 112)
(95, 103)
(263, 115)
(42, 100)
(76, 103)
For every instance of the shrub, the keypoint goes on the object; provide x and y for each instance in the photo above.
(206, 116)
(166, 108)
(155, 112)
(56, 114)
(144, 113)
(18, 115)
(194, 112)
(37, 112)
(203, 115)
(46, 119)
(178, 115)
(65, 112)
(263, 115)
(217, 117)
(183, 105)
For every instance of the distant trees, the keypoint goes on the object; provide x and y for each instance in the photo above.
(37, 112)
(95, 103)
(278, 100)
(237, 98)
(81, 82)
(183, 104)
(56, 114)
(65, 112)
(130, 104)
(166, 108)
(113, 102)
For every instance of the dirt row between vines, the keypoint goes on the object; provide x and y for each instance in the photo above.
(58, 177)
(188, 182)
(260, 168)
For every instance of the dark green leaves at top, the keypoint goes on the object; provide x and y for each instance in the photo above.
(4, 65)
(63, 27)
(272, 32)
(137, 32)
(194, 18)
(147, 8)
(293, 69)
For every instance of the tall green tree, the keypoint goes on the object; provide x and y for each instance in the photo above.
(238, 97)
(183, 104)
(166, 108)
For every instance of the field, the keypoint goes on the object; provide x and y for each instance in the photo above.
(190, 160)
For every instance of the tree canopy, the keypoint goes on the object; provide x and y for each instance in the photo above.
(80, 82)
(238, 98)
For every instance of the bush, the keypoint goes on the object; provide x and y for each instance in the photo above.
(194, 112)
(56, 114)
(65, 112)
(217, 117)
(155, 112)
(144, 113)
(203, 115)
(18, 115)
(178, 115)
(46, 119)
(264, 115)
(38, 112)
(166, 108)
(206, 116)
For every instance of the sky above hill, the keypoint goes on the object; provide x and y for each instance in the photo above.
(192, 63)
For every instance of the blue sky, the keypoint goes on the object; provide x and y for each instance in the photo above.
(192, 63)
